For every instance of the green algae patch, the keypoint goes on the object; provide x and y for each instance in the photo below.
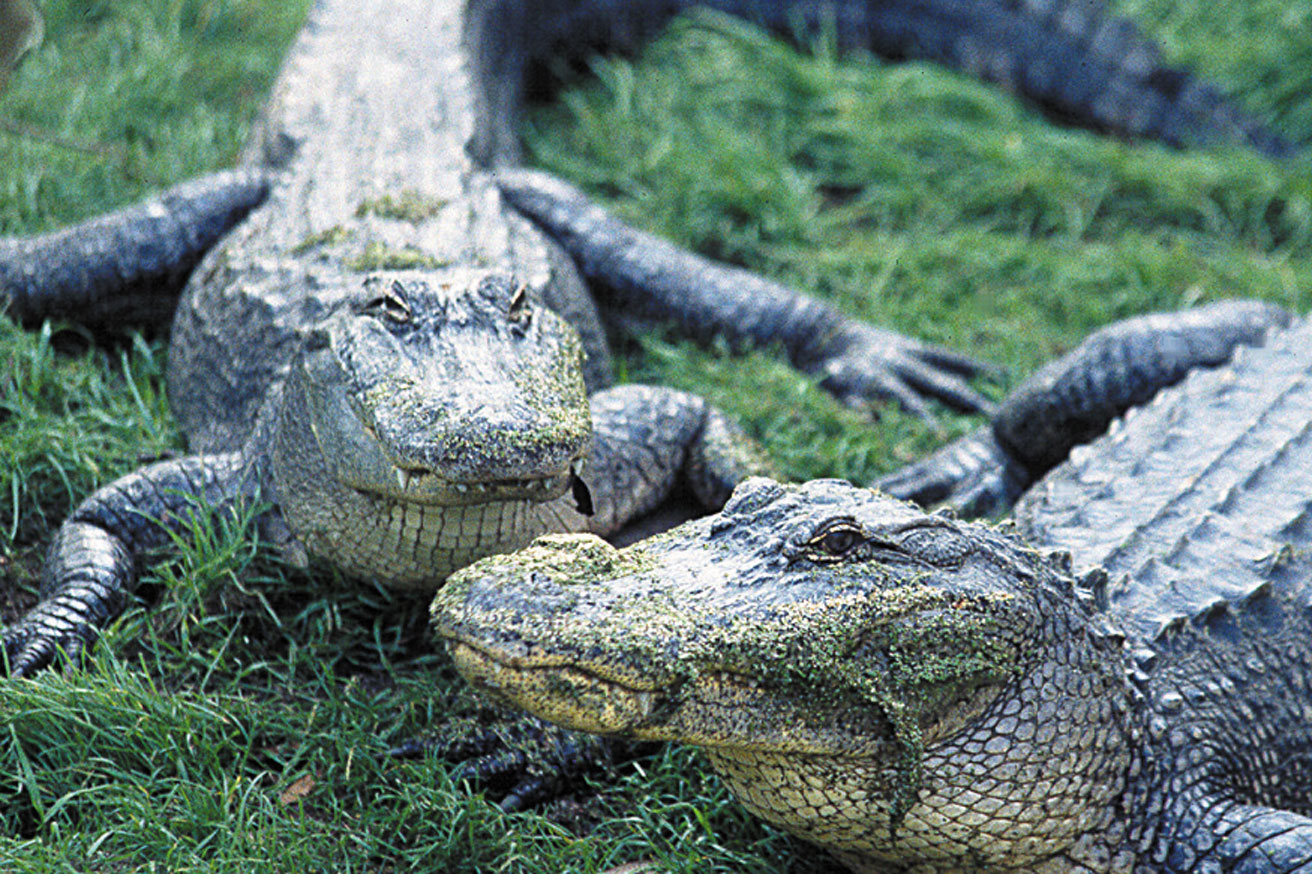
(914, 653)
(568, 559)
(380, 256)
(328, 237)
(408, 206)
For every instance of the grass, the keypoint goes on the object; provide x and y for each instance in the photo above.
(240, 724)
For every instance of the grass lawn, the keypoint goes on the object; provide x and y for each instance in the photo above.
(241, 723)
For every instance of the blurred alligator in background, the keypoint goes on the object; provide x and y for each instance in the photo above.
(386, 350)
(920, 694)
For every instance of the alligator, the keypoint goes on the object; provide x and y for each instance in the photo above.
(375, 340)
(1115, 680)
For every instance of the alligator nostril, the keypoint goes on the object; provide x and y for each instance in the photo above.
(541, 594)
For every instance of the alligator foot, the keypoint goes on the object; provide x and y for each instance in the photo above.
(51, 633)
(1073, 400)
(972, 475)
(531, 760)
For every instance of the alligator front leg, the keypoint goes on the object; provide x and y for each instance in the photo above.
(647, 440)
(126, 268)
(1073, 399)
(92, 565)
(649, 278)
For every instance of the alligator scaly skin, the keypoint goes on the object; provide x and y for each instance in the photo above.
(1196, 499)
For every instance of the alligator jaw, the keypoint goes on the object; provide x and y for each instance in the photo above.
(422, 486)
(694, 710)
(556, 691)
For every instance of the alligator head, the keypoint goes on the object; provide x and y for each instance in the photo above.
(898, 687)
(435, 415)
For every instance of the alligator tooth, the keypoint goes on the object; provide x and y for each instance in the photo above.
(403, 478)
(644, 702)
(576, 467)
(462, 488)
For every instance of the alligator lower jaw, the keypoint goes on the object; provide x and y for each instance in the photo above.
(560, 693)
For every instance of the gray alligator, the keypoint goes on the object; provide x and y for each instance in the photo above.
(920, 694)
(374, 346)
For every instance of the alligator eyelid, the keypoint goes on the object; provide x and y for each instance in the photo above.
(929, 522)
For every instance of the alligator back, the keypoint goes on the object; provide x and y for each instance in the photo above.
(1198, 500)
(369, 123)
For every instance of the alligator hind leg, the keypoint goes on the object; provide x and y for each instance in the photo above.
(125, 269)
(645, 277)
(91, 567)
(1073, 399)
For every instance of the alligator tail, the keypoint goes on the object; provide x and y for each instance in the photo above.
(125, 269)
(1076, 61)
(1070, 57)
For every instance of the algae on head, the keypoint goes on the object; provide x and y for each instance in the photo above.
(409, 206)
(899, 647)
(327, 237)
(380, 256)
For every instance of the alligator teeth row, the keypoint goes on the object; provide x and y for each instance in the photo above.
(405, 477)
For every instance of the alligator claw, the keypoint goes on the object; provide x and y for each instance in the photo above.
(530, 760)
(873, 364)
(44, 637)
(971, 475)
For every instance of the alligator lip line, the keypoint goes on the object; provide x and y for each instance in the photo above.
(558, 689)
(463, 647)
(421, 485)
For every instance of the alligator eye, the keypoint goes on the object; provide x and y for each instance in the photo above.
(837, 538)
(391, 304)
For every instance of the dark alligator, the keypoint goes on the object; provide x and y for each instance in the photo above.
(920, 694)
(373, 348)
